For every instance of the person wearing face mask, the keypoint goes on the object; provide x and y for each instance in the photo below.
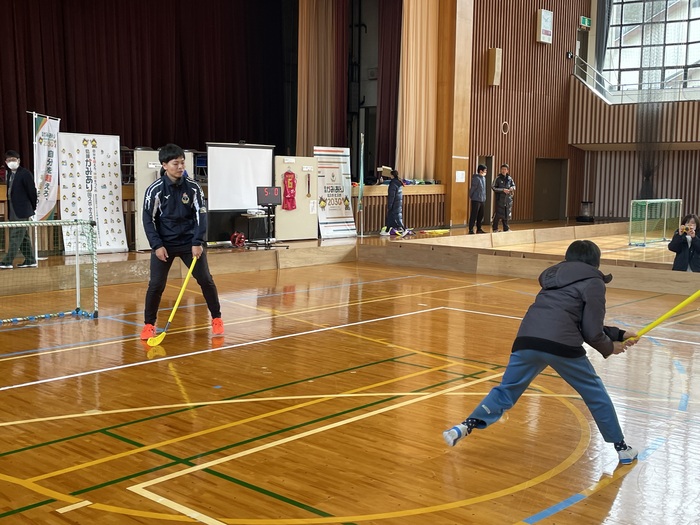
(686, 245)
(21, 201)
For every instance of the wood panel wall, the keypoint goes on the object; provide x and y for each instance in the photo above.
(596, 124)
(533, 97)
(423, 207)
(614, 178)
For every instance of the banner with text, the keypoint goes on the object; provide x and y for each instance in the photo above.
(45, 164)
(91, 188)
(335, 217)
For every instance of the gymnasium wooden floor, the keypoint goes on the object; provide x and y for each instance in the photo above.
(325, 402)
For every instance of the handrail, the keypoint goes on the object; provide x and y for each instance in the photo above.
(665, 91)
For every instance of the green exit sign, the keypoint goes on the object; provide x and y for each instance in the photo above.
(585, 22)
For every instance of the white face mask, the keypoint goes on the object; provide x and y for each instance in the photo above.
(13, 165)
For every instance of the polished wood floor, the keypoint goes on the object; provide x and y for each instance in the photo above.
(325, 402)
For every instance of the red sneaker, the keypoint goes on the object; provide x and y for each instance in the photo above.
(217, 326)
(148, 331)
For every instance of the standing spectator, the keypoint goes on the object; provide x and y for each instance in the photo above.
(394, 213)
(21, 200)
(504, 187)
(477, 194)
(686, 244)
(175, 221)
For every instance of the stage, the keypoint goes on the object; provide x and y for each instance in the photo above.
(522, 252)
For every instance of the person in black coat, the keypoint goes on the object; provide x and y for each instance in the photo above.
(21, 200)
(504, 187)
(686, 245)
(394, 213)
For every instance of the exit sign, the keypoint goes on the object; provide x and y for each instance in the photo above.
(585, 22)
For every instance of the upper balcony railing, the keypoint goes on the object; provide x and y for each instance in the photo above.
(666, 91)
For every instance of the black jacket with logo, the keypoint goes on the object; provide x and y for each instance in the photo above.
(174, 213)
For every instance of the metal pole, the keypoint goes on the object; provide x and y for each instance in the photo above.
(77, 268)
(360, 206)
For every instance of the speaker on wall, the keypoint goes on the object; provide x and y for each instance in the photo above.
(495, 60)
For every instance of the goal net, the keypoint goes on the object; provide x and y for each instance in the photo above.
(44, 278)
(653, 220)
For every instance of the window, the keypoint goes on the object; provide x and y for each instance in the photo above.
(651, 42)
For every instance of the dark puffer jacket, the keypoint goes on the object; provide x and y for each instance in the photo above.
(568, 311)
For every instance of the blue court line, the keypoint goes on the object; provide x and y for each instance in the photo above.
(572, 500)
(679, 366)
(554, 509)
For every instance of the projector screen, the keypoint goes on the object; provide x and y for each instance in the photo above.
(234, 172)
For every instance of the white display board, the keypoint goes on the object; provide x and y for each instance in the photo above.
(234, 172)
(297, 218)
(146, 171)
(335, 218)
(91, 189)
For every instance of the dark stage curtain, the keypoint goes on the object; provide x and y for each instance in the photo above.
(388, 81)
(152, 72)
(340, 117)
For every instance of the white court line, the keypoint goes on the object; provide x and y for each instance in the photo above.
(210, 350)
(141, 487)
(93, 413)
(75, 506)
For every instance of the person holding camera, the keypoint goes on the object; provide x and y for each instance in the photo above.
(686, 245)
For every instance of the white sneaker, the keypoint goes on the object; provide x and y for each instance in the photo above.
(455, 434)
(628, 455)
(384, 231)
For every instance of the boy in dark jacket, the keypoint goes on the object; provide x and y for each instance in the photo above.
(175, 221)
(568, 311)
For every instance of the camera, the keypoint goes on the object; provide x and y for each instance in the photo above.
(685, 228)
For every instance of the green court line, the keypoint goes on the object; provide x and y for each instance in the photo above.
(181, 410)
(187, 461)
(27, 507)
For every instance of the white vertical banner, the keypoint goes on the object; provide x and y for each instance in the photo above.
(335, 217)
(91, 189)
(46, 164)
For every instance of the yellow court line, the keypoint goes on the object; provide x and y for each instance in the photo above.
(99, 413)
(573, 457)
(619, 473)
(244, 320)
(570, 460)
(225, 426)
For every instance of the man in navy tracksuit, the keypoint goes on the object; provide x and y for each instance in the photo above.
(568, 311)
(175, 220)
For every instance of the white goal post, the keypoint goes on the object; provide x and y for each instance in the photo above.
(58, 285)
(654, 220)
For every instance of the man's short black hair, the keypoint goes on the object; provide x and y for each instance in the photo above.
(481, 167)
(585, 252)
(11, 154)
(170, 152)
